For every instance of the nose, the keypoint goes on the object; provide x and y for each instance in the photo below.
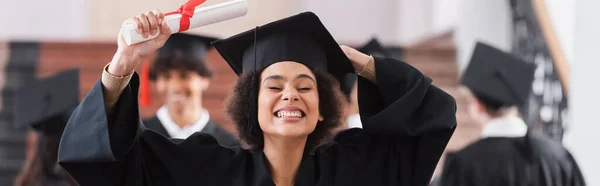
(291, 96)
(176, 85)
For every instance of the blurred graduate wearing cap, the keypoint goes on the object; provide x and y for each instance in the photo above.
(375, 49)
(45, 106)
(288, 91)
(507, 154)
(180, 75)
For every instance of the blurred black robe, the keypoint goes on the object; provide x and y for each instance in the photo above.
(407, 123)
(223, 137)
(507, 161)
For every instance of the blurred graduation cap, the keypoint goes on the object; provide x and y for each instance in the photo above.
(498, 79)
(47, 104)
(186, 45)
(192, 46)
(301, 38)
(374, 48)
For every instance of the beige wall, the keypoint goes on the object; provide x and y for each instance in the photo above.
(34, 20)
(106, 15)
(395, 22)
(354, 22)
(486, 21)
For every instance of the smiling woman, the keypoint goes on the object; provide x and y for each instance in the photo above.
(285, 102)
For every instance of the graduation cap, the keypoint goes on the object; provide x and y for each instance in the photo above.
(47, 104)
(189, 46)
(498, 79)
(300, 38)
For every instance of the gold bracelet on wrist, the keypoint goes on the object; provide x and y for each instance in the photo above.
(370, 60)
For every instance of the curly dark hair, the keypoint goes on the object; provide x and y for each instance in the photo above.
(238, 105)
(178, 61)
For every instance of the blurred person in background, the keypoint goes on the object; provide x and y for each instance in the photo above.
(180, 75)
(45, 106)
(507, 153)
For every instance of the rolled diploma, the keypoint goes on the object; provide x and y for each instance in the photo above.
(202, 16)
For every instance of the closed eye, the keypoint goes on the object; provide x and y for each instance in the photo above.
(274, 88)
(305, 89)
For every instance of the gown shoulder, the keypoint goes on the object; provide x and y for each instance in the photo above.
(407, 123)
(508, 161)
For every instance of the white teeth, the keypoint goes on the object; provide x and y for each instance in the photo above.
(289, 114)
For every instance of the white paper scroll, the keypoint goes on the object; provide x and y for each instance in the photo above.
(202, 16)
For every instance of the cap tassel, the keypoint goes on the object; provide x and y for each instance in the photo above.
(253, 110)
(145, 97)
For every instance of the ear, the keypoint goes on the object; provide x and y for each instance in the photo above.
(205, 83)
(321, 118)
(478, 112)
(476, 107)
(481, 108)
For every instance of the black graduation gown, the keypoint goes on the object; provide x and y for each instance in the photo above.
(223, 137)
(407, 123)
(504, 161)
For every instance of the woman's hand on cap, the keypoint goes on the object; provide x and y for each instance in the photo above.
(359, 60)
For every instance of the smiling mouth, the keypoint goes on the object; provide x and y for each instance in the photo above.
(289, 114)
(177, 96)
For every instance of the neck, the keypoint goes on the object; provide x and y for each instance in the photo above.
(186, 116)
(284, 156)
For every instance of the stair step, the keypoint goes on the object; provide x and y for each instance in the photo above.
(11, 165)
(7, 178)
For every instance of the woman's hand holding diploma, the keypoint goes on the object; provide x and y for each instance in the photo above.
(128, 57)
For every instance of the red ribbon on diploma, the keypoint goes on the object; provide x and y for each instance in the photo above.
(187, 11)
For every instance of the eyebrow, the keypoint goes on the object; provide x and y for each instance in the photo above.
(275, 77)
(305, 76)
(278, 77)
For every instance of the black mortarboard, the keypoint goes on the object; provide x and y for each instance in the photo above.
(192, 46)
(498, 79)
(47, 104)
(301, 38)
(374, 48)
